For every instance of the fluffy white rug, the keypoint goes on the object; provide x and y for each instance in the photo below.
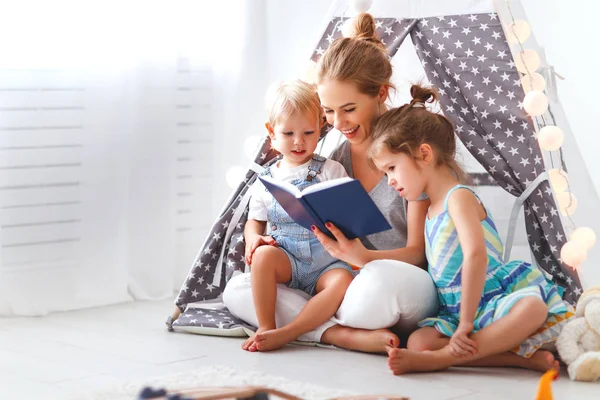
(214, 376)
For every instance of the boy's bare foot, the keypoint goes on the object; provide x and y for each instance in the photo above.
(402, 361)
(399, 360)
(273, 339)
(542, 361)
(377, 341)
(250, 343)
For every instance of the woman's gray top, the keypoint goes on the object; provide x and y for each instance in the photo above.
(391, 205)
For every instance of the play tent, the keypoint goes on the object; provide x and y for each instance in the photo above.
(460, 47)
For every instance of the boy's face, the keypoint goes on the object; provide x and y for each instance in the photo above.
(296, 137)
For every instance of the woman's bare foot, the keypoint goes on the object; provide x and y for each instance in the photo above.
(273, 339)
(368, 341)
(250, 343)
(542, 361)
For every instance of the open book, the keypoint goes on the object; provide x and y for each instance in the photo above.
(343, 202)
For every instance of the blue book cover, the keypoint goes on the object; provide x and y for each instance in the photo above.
(343, 202)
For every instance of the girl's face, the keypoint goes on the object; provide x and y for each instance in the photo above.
(296, 137)
(403, 173)
(348, 110)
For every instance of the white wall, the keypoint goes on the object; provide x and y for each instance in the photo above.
(279, 41)
(568, 32)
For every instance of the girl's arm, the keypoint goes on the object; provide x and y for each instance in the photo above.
(414, 252)
(467, 213)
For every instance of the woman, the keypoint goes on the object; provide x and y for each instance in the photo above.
(390, 290)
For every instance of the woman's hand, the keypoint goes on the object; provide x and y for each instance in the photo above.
(255, 243)
(460, 343)
(351, 251)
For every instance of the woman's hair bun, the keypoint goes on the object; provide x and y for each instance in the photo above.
(365, 29)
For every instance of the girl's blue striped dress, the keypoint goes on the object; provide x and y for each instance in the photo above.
(505, 284)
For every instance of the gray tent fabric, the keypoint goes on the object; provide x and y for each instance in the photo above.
(211, 322)
(468, 59)
(223, 251)
(391, 31)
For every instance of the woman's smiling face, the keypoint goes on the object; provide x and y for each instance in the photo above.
(348, 110)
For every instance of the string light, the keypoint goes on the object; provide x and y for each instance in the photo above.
(234, 176)
(361, 6)
(251, 145)
(573, 254)
(535, 103)
(585, 236)
(528, 61)
(567, 202)
(518, 31)
(550, 138)
(534, 81)
(310, 73)
(558, 180)
(348, 29)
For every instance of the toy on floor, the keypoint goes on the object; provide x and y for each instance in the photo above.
(241, 393)
(579, 342)
(545, 386)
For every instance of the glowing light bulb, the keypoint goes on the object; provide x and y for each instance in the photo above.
(573, 254)
(348, 27)
(361, 6)
(534, 81)
(551, 138)
(567, 202)
(535, 103)
(251, 146)
(518, 31)
(310, 72)
(584, 236)
(558, 180)
(527, 61)
(234, 176)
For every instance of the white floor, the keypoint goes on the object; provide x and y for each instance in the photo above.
(54, 356)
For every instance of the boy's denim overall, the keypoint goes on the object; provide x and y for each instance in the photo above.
(308, 258)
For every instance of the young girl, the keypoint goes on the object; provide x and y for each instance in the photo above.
(486, 307)
(290, 253)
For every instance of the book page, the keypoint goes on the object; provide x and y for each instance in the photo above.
(327, 184)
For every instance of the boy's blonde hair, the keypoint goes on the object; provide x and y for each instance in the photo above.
(286, 98)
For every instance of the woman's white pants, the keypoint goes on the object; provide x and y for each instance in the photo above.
(385, 294)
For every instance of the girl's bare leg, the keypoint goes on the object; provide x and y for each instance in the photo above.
(428, 339)
(270, 266)
(524, 319)
(331, 288)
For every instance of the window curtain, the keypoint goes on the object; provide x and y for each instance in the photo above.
(109, 113)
